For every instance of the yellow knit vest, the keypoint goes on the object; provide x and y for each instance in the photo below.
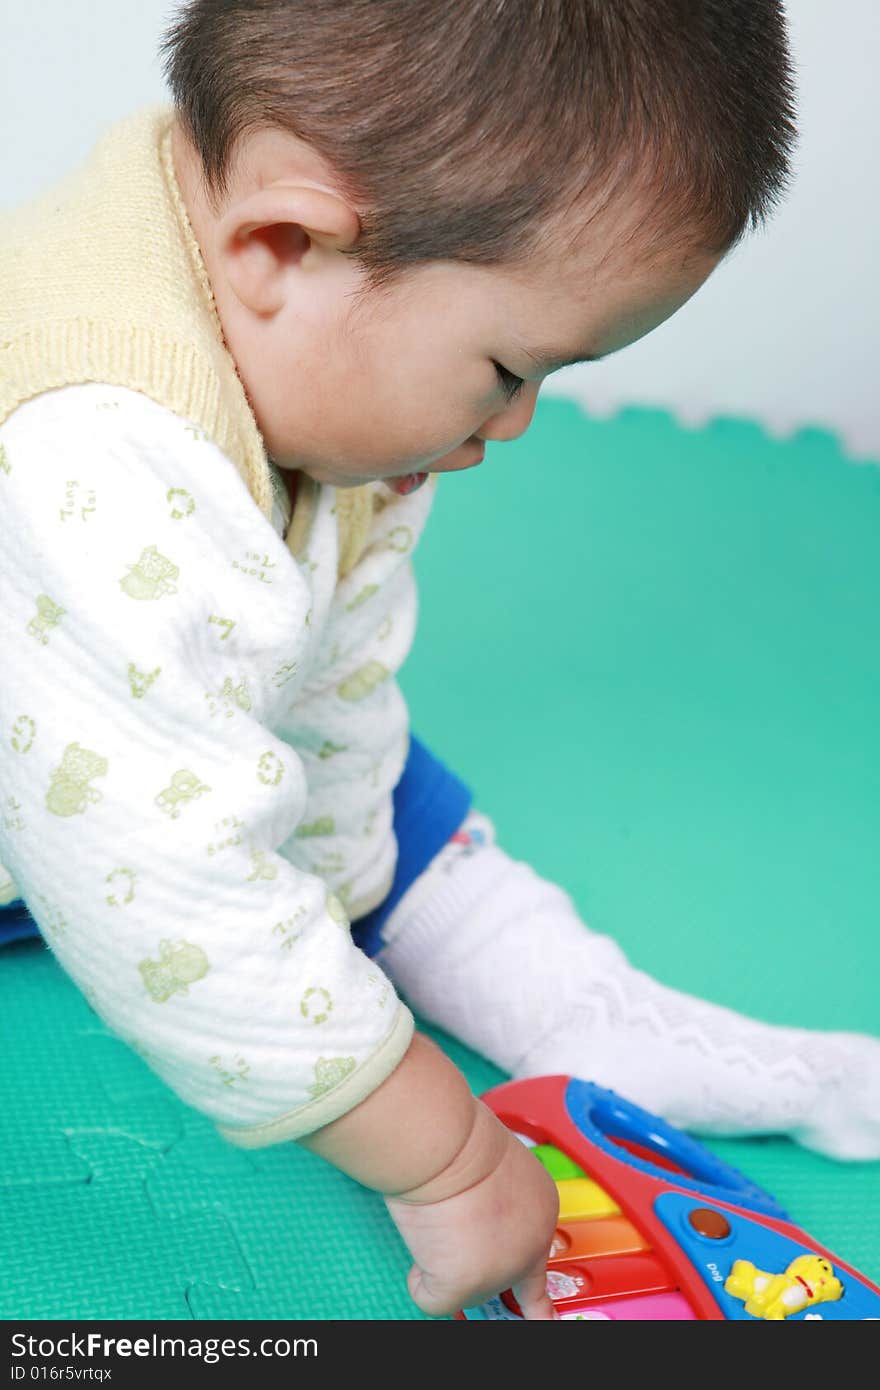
(102, 279)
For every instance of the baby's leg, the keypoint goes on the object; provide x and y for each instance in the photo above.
(483, 947)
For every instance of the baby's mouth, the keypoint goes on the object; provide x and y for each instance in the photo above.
(410, 482)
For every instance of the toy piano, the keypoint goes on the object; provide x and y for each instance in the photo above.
(653, 1227)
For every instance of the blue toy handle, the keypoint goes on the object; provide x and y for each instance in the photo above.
(603, 1116)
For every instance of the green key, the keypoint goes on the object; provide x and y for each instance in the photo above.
(558, 1164)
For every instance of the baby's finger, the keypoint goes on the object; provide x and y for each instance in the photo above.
(423, 1291)
(532, 1296)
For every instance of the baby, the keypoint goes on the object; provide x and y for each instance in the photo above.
(240, 342)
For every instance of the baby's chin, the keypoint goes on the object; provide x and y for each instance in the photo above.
(327, 478)
(400, 483)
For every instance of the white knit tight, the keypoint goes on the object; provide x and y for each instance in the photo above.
(497, 956)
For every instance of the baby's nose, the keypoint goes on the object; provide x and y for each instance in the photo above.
(514, 419)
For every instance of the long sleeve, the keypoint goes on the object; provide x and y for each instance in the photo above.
(162, 645)
(349, 721)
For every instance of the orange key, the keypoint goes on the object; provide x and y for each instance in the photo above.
(612, 1235)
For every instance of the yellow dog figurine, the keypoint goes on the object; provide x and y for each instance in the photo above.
(808, 1280)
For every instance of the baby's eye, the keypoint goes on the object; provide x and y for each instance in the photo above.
(511, 385)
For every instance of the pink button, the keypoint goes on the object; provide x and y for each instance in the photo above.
(655, 1307)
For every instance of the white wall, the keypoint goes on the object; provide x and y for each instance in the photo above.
(785, 331)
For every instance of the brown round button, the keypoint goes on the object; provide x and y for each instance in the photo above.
(709, 1223)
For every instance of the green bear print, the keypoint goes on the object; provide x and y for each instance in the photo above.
(185, 786)
(316, 1004)
(179, 965)
(49, 615)
(329, 1071)
(140, 681)
(359, 685)
(24, 731)
(151, 577)
(336, 910)
(183, 503)
(70, 793)
(326, 825)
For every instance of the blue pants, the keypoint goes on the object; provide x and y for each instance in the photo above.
(430, 804)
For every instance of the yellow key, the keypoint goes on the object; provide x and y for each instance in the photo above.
(581, 1197)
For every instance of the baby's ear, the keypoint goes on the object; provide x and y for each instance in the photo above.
(275, 232)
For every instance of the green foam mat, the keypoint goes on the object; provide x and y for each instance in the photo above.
(652, 653)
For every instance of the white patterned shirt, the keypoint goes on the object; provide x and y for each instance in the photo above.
(200, 733)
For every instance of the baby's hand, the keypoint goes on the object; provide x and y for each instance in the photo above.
(476, 1209)
(483, 1225)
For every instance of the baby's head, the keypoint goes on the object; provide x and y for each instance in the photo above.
(411, 212)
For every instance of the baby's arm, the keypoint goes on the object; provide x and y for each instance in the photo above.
(476, 1210)
(148, 640)
(150, 621)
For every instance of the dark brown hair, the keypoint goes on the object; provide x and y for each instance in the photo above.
(462, 129)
